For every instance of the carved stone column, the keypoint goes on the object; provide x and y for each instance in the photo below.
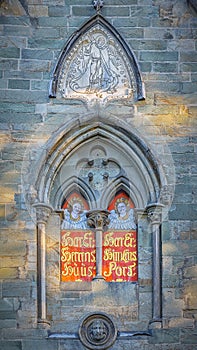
(43, 212)
(98, 219)
(154, 212)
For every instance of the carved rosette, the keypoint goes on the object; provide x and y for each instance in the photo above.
(97, 331)
(43, 211)
(98, 219)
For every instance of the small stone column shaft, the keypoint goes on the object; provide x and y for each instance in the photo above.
(43, 212)
(98, 219)
(155, 216)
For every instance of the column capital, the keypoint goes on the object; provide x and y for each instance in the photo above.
(98, 219)
(43, 212)
(154, 213)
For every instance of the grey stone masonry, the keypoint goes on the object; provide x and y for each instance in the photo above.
(162, 35)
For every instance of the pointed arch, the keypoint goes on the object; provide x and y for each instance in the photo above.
(54, 176)
(122, 184)
(119, 64)
(70, 185)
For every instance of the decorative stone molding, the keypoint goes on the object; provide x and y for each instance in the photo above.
(43, 212)
(154, 212)
(97, 331)
(98, 219)
(98, 4)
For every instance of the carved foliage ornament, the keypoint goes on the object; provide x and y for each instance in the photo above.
(97, 64)
(98, 4)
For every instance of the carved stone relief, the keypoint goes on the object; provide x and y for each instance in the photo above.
(97, 67)
(97, 331)
(97, 64)
(97, 172)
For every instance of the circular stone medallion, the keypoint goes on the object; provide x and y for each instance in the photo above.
(97, 331)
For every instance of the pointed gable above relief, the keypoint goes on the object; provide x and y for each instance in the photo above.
(97, 64)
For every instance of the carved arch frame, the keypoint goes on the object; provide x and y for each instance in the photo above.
(100, 21)
(146, 203)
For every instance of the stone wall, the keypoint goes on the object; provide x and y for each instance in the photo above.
(162, 35)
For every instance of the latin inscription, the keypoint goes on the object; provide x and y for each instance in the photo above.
(78, 256)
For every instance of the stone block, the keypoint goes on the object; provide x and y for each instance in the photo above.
(37, 54)
(162, 336)
(8, 273)
(10, 52)
(18, 42)
(159, 33)
(172, 87)
(35, 65)
(38, 11)
(46, 43)
(7, 324)
(129, 33)
(144, 22)
(146, 67)
(41, 344)
(83, 11)
(165, 67)
(147, 44)
(7, 315)
(6, 166)
(13, 248)
(12, 262)
(10, 345)
(189, 87)
(47, 33)
(188, 336)
(190, 295)
(188, 56)
(188, 67)
(19, 30)
(17, 288)
(22, 75)
(27, 96)
(53, 21)
(9, 64)
(21, 119)
(159, 56)
(6, 305)
(40, 85)
(183, 212)
(18, 84)
(145, 306)
(14, 20)
(123, 2)
(14, 152)
(128, 22)
(59, 11)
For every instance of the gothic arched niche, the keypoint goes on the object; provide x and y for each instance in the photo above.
(97, 63)
(97, 163)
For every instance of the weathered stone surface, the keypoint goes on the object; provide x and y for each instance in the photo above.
(162, 35)
(11, 345)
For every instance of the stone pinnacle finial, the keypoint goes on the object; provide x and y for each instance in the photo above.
(98, 4)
